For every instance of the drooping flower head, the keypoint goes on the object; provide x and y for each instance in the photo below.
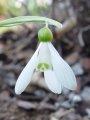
(57, 72)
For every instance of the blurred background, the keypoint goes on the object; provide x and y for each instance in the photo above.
(17, 45)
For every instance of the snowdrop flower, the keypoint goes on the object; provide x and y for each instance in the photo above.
(43, 3)
(57, 72)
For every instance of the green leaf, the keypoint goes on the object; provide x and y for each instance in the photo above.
(27, 19)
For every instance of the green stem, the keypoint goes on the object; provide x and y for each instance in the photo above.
(27, 19)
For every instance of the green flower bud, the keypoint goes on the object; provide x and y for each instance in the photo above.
(45, 35)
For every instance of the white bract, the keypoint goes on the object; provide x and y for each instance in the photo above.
(57, 72)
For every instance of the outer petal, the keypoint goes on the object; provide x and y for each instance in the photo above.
(62, 70)
(52, 81)
(25, 76)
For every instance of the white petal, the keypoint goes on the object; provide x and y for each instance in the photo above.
(44, 53)
(25, 76)
(62, 70)
(44, 58)
(52, 81)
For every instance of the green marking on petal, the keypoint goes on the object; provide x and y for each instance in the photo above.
(42, 69)
(43, 66)
(46, 65)
(39, 65)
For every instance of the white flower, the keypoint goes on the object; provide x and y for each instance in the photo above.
(43, 3)
(57, 72)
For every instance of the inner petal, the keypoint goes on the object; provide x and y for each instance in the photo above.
(44, 58)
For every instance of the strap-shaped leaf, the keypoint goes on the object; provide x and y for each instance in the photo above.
(27, 19)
